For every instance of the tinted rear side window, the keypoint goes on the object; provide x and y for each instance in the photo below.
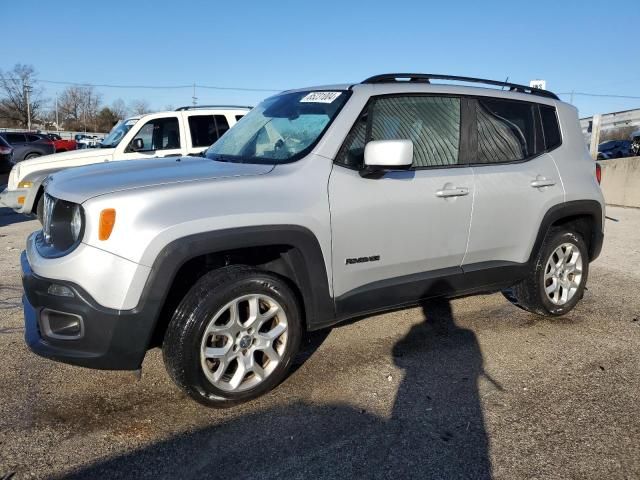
(206, 129)
(238, 117)
(506, 131)
(33, 138)
(550, 127)
(15, 137)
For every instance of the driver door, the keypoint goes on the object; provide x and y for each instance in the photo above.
(395, 237)
(161, 137)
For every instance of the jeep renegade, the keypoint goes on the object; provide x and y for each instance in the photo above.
(321, 204)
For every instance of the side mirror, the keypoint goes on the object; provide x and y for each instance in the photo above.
(137, 144)
(381, 156)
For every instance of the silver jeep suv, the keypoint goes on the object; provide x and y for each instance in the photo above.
(320, 205)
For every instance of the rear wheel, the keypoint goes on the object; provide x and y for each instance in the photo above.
(32, 155)
(557, 279)
(233, 336)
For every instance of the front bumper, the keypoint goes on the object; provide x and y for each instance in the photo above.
(111, 339)
(10, 199)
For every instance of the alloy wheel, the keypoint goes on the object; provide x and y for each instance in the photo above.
(244, 342)
(563, 274)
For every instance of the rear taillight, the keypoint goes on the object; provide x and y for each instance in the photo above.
(598, 173)
(5, 150)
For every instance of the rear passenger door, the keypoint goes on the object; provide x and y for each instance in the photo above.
(516, 180)
(204, 131)
(393, 236)
(18, 142)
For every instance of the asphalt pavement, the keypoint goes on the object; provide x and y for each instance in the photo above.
(467, 388)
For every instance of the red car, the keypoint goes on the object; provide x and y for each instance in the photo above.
(61, 144)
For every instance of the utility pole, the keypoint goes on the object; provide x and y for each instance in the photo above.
(27, 90)
(195, 99)
(57, 123)
(596, 120)
(571, 98)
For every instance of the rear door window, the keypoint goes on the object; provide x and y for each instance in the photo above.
(15, 137)
(506, 130)
(207, 129)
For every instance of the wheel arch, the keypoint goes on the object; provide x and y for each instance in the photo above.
(289, 251)
(584, 216)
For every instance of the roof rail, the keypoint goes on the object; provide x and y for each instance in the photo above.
(195, 107)
(427, 77)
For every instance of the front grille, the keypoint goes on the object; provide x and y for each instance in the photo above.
(49, 204)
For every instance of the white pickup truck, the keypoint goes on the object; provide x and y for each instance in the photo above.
(185, 131)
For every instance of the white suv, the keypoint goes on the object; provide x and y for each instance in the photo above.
(186, 131)
(322, 204)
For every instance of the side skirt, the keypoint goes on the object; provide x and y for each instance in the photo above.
(410, 290)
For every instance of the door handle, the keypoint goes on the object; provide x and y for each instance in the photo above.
(541, 182)
(452, 192)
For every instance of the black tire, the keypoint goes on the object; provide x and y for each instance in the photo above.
(181, 345)
(529, 294)
(32, 155)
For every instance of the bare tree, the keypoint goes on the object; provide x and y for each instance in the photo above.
(16, 86)
(618, 133)
(139, 107)
(79, 107)
(119, 109)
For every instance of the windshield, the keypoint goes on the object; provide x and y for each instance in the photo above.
(117, 133)
(281, 129)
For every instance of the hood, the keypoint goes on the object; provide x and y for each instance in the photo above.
(39, 167)
(80, 184)
(62, 157)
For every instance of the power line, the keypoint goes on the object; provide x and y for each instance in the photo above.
(247, 89)
(604, 95)
(160, 87)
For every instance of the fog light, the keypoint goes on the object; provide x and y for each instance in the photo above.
(61, 325)
(59, 290)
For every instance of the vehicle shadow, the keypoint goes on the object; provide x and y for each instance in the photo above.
(9, 217)
(436, 429)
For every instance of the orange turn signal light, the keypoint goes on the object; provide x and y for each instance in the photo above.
(21, 200)
(107, 221)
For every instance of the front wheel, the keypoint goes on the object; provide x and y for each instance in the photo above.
(557, 278)
(31, 155)
(233, 337)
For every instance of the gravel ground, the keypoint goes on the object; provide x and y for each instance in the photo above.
(471, 388)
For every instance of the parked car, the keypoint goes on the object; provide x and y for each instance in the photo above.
(186, 131)
(321, 205)
(62, 144)
(614, 149)
(28, 145)
(635, 143)
(6, 156)
(87, 141)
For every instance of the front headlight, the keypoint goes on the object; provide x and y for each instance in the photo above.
(62, 227)
(76, 223)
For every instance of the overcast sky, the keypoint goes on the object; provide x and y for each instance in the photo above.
(582, 46)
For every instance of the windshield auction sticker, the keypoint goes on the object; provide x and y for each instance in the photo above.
(320, 97)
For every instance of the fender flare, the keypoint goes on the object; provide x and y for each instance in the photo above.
(561, 211)
(305, 260)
